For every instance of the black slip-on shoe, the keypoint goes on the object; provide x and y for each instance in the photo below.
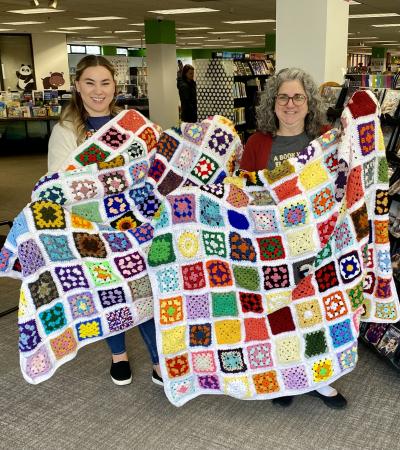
(335, 402)
(155, 378)
(121, 373)
(283, 401)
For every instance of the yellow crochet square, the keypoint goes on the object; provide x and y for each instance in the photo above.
(322, 370)
(80, 222)
(171, 310)
(381, 141)
(313, 175)
(277, 301)
(23, 304)
(227, 331)
(308, 313)
(281, 171)
(173, 340)
(288, 349)
(238, 387)
(188, 244)
(301, 241)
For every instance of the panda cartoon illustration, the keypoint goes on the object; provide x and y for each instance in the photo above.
(26, 80)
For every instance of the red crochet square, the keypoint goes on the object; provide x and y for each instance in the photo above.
(256, 329)
(326, 228)
(177, 366)
(361, 104)
(326, 277)
(251, 302)
(193, 276)
(132, 121)
(287, 189)
(303, 289)
(281, 321)
(354, 190)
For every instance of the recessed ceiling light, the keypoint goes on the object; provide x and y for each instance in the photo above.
(225, 32)
(128, 31)
(250, 21)
(183, 11)
(89, 19)
(193, 28)
(386, 25)
(77, 28)
(61, 31)
(36, 11)
(28, 22)
(358, 37)
(366, 16)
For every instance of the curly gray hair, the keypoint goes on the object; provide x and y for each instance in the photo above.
(267, 121)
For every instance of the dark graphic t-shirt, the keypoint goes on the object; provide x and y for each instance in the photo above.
(285, 147)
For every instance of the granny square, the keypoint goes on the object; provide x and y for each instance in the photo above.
(57, 247)
(89, 245)
(113, 138)
(113, 182)
(219, 273)
(82, 305)
(193, 276)
(288, 349)
(140, 288)
(170, 182)
(101, 273)
(326, 277)
(162, 250)
(259, 356)
(111, 297)
(71, 277)
(281, 321)
(197, 306)
(203, 361)
(208, 382)
(335, 305)
(294, 214)
(47, 215)
(91, 154)
(266, 382)
(30, 257)
(168, 279)
(200, 335)
(188, 244)
(341, 333)
(177, 366)
(246, 277)
(275, 277)
(220, 141)
(29, 337)
(210, 213)
(214, 243)
(349, 266)
(231, 361)
(251, 302)
(205, 168)
(115, 205)
(53, 318)
(315, 343)
(366, 133)
(241, 249)
(120, 319)
(264, 221)
(183, 208)
(271, 248)
(167, 145)
(185, 159)
(255, 329)
(295, 378)
(131, 264)
(118, 242)
(64, 344)
(171, 310)
(308, 313)
(224, 304)
(156, 170)
(43, 290)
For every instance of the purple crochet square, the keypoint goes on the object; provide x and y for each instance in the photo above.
(130, 265)
(119, 320)
(71, 277)
(38, 364)
(118, 242)
(111, 297)
(82, 305)
(295, 377)
(208, 381)
(143, 233)
(29, 337)
(30, 257)
(183, 208)
(198, 306)
(220, 141)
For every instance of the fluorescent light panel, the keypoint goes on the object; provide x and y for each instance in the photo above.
(353, 2)
(27, 22)
(192, 28)
(89, 19)
(77, 28)
(128, 31)
(250, 21)
(36, 11)
(216, 40)
(367, 16)
(7, 29)
(191, 37)
(358, 38)
(374, 42)
(225, 32)
(183, 11)
(137, 24)
(61, 31)
(386, 25)
(101, 37)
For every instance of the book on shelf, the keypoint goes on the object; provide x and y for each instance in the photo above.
(39, 111)
(25, 111)
(239, 90)
(390, 342)
(3, 110)
(54, 110)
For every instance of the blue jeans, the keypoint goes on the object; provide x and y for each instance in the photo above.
(148, 332)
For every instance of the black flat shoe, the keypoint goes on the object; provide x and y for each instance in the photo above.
(283, 401)
(121, 373)
(335, 402)
(155, 378)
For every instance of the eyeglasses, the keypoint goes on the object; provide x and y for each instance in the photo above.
(297, 99)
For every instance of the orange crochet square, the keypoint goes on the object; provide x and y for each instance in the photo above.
(228, 331)
(64, 344)
(178, 366)
(381, 231)
(266, 383)
(335, 305)
(171, 310)
(256, 329)
(287, 189)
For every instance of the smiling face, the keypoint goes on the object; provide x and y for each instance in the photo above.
(291, 117)
(96, 87)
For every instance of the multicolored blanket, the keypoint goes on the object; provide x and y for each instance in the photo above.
(80, 246)
(260, 282)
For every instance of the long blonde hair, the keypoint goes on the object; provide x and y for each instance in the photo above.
(75, 111)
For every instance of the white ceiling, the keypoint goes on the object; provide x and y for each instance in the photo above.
(135, 11)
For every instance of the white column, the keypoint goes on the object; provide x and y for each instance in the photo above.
(312, 35)
(50, 56)
(161, 84)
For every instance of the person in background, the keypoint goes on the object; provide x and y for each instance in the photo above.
(92, 105)
(289, 116)
(187, 94)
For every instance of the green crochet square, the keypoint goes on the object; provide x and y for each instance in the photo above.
(315, 343)
(214, 244)
(89, 211)
(325, 253)
(224, 304)
(383, 176)
(356, 295)
(247, 278)
(161, 250)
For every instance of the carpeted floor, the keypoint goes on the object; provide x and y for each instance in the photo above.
(80, 408)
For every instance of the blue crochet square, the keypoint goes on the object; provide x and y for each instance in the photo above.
(341, 333)
(168, 279)
(54, 194)
(143, 233)
(210, 213)
(29, 337)
(19, 227)
(384, 262)
(116, 205)
(150, 206)
(118, 242)
(53, 318)
(57, 247)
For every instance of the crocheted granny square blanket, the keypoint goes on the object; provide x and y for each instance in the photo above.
(80, 246)
(260, 282)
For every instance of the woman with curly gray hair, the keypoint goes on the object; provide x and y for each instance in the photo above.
(289, 116)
